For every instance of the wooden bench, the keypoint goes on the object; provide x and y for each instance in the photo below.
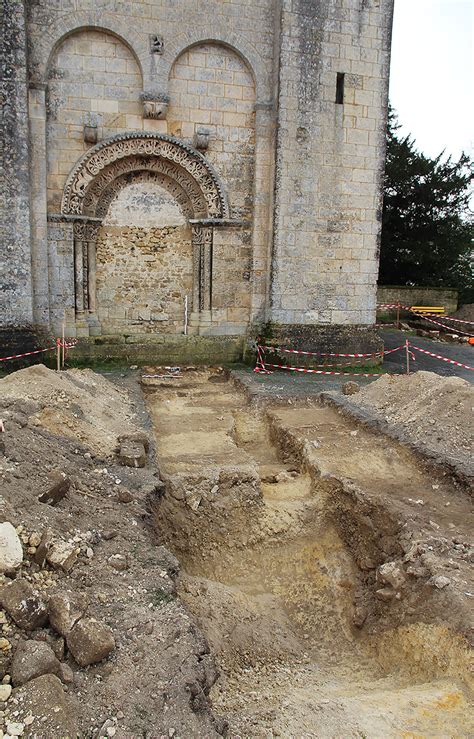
(427, 309)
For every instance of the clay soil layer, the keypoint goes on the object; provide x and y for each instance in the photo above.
(327, 566)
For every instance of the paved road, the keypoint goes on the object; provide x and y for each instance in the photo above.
(459, 352)
(290, 384)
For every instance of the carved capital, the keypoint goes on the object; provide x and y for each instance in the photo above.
(155, 105)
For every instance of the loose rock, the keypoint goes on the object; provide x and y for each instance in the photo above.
(5, 692)
(132, 454)
(440, 582)
(11, 550)
(56, 488)
(392, 574)
(119, 562)
(32, 659)
(24, 605)
(65, 610)
(350, 388)
(55, 715)
(15, 729)
(63, 555)
(90, 642)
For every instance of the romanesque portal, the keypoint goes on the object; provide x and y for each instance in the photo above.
(228, 164)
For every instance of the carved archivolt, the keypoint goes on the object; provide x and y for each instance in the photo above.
(165, 155)
(175, 180)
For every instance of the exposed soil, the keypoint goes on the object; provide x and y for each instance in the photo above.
(435, 413)
(283, 519)
(156, 680)
(325, 568)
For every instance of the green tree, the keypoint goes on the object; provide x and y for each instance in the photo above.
(427, 224)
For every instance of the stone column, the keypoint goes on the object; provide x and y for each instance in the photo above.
(92, 232)
(202, 239)
(39, 228)
(80, 283)
(202, 258)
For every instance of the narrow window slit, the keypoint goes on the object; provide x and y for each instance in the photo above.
(340, 88)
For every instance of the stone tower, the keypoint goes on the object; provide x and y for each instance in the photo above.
(182, 179)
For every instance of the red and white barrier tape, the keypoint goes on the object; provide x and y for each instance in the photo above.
(451, 318)
(393, 305)
(426, 316)
(443, 325)
(69, 344)
(261, 364)
(322, 372)
(276, 349)
(28, 354)
(438, 356)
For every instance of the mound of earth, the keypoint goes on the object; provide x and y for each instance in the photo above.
(78, 404)
(88, 602)
(435, 412)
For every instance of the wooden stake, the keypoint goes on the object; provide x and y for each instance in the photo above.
(58, 354)
(63, 350)
(398, 315)
(407, 356)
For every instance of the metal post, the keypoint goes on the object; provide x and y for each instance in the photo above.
(185, 315)
(407, 350)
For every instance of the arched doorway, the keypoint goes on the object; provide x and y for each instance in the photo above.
(144, 207)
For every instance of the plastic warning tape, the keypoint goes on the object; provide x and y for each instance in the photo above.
(324, 354)
(324, 372)
(28, 354)
(393, 305)
(459, 320)
(438, 356)
(69, 344)
(443, 325)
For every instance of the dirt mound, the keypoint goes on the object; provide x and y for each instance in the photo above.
(78, 404)
(466, 312)
(434, 410)
(78, 531)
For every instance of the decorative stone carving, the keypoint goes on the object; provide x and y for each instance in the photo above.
(201, 139)
(202, 239)
(157, 45)
(143, 150)
(174, 178)
(85, 238)
(155, 105)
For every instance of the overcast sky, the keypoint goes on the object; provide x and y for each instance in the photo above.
(432, 73)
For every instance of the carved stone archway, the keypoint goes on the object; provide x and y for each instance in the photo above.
(108, 167)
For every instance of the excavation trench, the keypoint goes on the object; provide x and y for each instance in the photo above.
(280, 518)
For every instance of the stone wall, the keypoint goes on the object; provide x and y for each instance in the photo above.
(15, 256)
(212, 90)
(251, 84)
(144, 263)
(330, 160)
(93, 78)
(435, 296)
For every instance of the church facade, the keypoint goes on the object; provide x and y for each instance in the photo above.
(180, 168)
